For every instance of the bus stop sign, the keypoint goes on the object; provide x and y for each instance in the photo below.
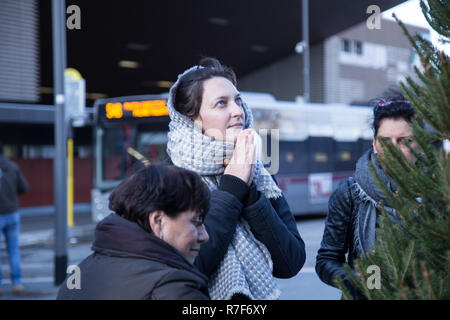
(75, 92)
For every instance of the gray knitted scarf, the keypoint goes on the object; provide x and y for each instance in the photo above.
(369, 195)
(247, 265)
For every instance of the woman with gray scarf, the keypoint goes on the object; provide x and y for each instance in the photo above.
(253, 234)
(353, 208)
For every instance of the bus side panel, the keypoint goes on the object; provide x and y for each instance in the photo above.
(297, 191)
(311, 170)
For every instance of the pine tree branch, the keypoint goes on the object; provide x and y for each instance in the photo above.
(437, 234)
(406, 175)
(444, 60)
(431, 75)
(340, 284)
(419, 179)
(415, 281)
(362, 264)
(427, 277)
(408, 261)
(387, 253)
(414, 254)
(383, 187)
(419, 100)
(423, 138)
(403, 173)
(439, 22)
(362, 283)
(429, 258)
(441, 256)
(384, 274)
(444, 171)
(411, 40)
(445, 108)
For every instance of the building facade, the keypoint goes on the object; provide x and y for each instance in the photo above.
(350, 67)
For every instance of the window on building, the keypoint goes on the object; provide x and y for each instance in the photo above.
(358, 47)
(345, 45)
(352, 46)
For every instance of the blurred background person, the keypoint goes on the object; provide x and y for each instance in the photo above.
(12, 184)
(353, 208)
(253, 234)
(145, 249)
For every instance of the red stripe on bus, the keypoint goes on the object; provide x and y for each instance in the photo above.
(304, 178)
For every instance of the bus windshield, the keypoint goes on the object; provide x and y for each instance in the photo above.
(119, 148)
(123, 144)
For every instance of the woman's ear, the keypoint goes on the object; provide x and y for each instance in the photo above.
(197, 120)
(194, 118)
(155, 220)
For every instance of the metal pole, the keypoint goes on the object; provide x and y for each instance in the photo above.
(70, 220)
(305, 31)
(59, 162)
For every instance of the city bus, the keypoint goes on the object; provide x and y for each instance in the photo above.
(125, 129)
(308, 147)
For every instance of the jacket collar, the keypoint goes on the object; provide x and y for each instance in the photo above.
(118, 234)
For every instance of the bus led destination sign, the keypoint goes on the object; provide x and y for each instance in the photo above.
(136, 109)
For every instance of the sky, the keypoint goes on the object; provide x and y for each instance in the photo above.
(411, 13)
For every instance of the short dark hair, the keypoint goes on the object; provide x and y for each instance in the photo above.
(394, 106)
(159, 187)
(1, 148)
(187, 95)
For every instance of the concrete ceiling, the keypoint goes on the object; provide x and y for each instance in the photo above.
(166, 37)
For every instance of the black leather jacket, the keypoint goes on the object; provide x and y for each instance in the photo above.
(337, 239)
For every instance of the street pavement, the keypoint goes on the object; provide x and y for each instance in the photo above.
(37, 252)
(306, 285)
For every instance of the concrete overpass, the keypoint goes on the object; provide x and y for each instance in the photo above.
(165, 37)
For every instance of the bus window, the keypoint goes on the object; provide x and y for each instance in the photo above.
(346, 155)
(153, 145)
(293, 157)
(320, 154)
(129, 132)
(115, 161)
(123, 143)
(363, 146)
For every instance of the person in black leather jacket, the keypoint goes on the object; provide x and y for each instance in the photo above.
(145, 250)
(353, 208)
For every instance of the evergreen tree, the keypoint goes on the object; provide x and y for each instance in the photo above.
(414, 257)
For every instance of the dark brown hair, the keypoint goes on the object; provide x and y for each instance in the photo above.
(159, 187)
(187, 96)
(393, 106)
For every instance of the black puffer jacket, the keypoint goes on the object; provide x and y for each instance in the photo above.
(130, 263)
(338, 238)
(271, 222)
